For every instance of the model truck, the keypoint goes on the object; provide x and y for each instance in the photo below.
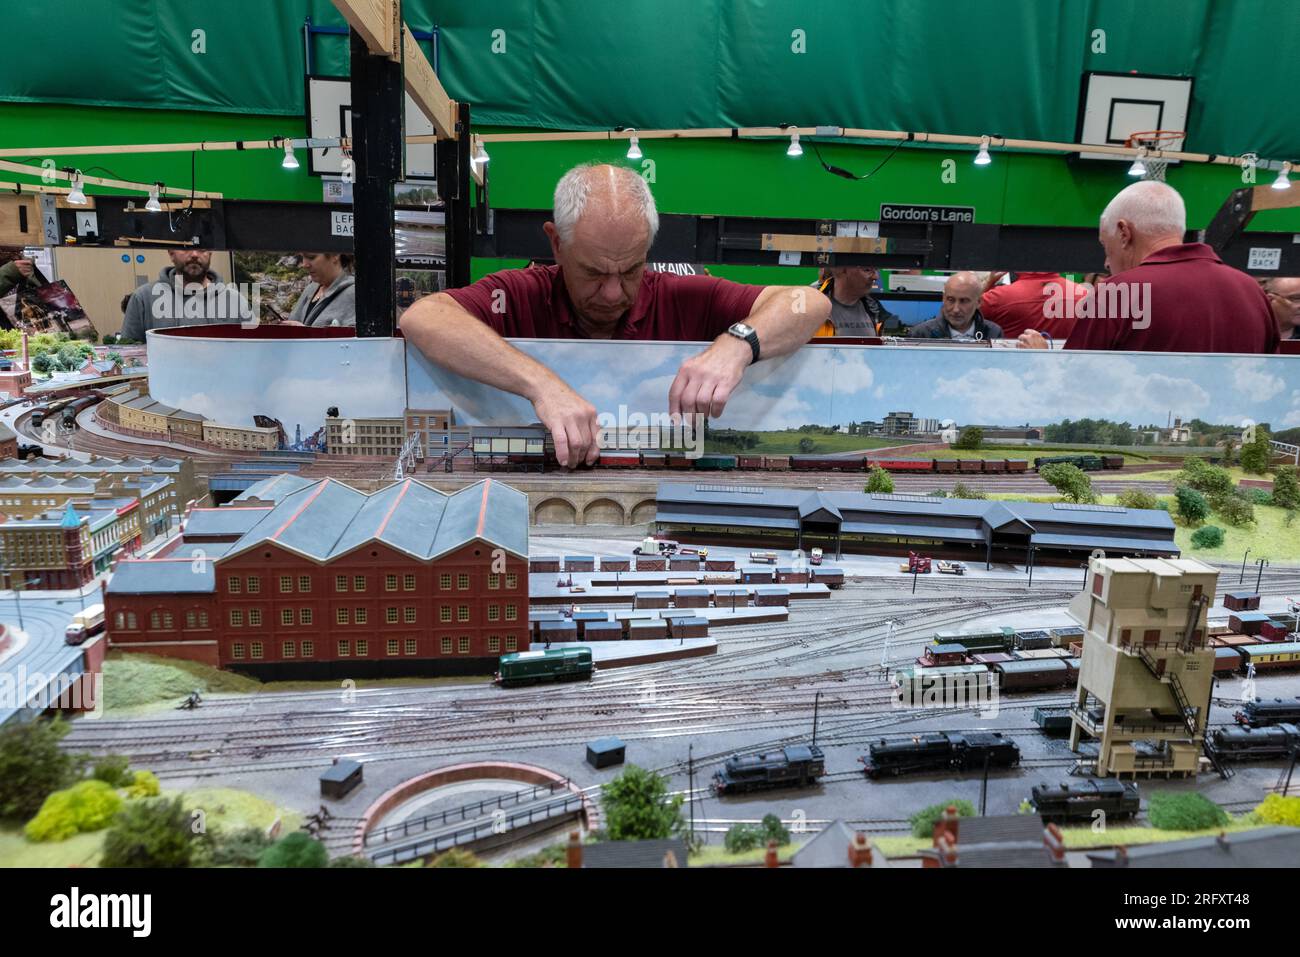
(815, 556)
(951, 568)
(916, 564)
(655, 546)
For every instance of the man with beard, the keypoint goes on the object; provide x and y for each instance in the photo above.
(604, 225)
(187, 293)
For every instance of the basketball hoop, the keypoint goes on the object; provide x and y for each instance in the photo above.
(1154, 143)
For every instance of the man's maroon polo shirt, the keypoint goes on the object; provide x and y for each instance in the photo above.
(536, 305)
(1023, 305)
(1195, 304)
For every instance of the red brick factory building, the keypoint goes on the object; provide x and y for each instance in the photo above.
(314, 579)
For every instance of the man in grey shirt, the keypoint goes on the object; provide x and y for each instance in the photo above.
(187, 293)
(854, 311)
(959, 318)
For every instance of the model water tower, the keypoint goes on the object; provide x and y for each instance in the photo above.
(1147, 670)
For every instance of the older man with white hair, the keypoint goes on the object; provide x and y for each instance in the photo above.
(1165, 295)
(959, 317)
(605, 223)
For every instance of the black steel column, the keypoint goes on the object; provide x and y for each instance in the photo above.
(454, 190)
(378, 139)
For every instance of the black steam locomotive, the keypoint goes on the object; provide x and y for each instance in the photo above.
(1261, 714)
(932, 752)
(1273, 741)
(798, 765)
(1077, 801)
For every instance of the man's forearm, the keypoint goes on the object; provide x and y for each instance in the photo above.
(456, 340)
(786, 317)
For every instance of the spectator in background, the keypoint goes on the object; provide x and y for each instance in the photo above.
(1284, 297)
(959, 317)
(1022, 304)
(330, 298)
(187, 293)
(854, 311)
(15, 273)
(1165, 295)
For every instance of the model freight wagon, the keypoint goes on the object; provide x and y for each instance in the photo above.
(1077, 801)
(553, 664)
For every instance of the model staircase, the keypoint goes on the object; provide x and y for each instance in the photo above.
(1083, 766)
(1189, 712)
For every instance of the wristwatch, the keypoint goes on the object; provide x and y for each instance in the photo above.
(743, 330)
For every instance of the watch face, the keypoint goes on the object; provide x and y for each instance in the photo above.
(741, 329)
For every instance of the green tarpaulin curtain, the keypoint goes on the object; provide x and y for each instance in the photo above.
(1003, 67)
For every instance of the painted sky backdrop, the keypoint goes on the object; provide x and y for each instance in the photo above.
(230, 380)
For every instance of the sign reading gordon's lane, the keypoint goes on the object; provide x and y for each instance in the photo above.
(912, 213)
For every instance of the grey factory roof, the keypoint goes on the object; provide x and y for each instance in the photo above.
(274, 488)
(1265, 847)
(830, 848)
(162, 577)
(639, 854)
(325, 519)
(1049, 525)
(227, 520)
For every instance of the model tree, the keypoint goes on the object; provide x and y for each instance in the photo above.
(806, 446)
(1136, 498)
(1256, 453)
(33, 766)
(151, 833)
(638, 808)
(1192, 506)
(296, 849)
(1229, 445)
(1204, 477)
(879, 481)
(1286, 488)
(1070, 480)
(971, 437)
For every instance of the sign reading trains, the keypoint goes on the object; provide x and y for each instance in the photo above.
(912, 213)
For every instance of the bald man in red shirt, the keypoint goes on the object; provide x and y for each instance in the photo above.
(1165, 295)
(605, 223)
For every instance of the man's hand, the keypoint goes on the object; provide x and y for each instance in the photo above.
(705, 382)
(993, 280)
(25, 267)
(571, 420)
(1031, 339)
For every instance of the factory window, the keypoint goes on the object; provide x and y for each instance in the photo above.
(286, 583)
(494, 644)
(341, 616)
(408, 582)
(512, 613)
(167, 621)
(189, 620)
(408, 614)
(254, 617)
(410, 646)
(494, 612)
(390, 583)
(444, 580)
(462, 612)
(392, 646)
(119, 620)
(1096, 584)
(308, 649)
(203, 619)
(512, 643)
(462, 644)
(445, 645)
(286, 616)
(155, 621)
(287, 649)
(360, 616)
(340, 582)
(512, 580)
(256, 648)
(444, 613)
(254, 585)
(304, 616)
(304, 583)
(462, 581)
(130, 621)
(363, 648)
(234, 585)
(494, 582)
(390, 614)
(343, 649)
(358, 582)
(237, 650)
